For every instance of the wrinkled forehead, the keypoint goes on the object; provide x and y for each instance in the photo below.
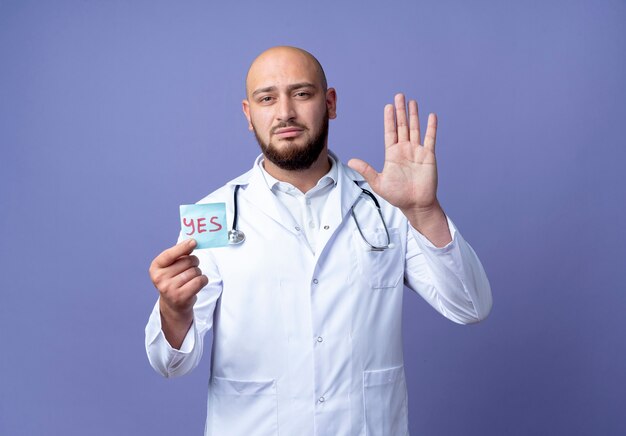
(281, 68)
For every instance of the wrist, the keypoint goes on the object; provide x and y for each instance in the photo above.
(431, 223)
(424, 214)
(175, 317)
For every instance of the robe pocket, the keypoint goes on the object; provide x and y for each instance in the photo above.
(243, 408)
(383, 269)
(385, 402)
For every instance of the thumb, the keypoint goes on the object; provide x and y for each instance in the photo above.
(366, 170)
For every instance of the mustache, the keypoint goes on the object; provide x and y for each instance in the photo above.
(285, 125)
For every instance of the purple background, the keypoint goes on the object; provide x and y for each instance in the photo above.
(112, 113)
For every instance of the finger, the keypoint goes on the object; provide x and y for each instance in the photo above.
(169, 256)
(182, 264)
(193, 286)
(391, 133)
(414, 123)
(431, 133)
(189, 274)
(401, 121)
(366, 170)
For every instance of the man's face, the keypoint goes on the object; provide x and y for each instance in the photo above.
(296, 146)
(288, 109)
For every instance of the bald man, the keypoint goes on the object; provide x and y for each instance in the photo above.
(306, 313)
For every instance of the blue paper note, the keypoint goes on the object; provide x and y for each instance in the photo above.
(206, 223)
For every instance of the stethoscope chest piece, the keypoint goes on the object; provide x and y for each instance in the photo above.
(236, 237)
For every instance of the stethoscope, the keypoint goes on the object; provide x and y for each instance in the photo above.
(236, 236)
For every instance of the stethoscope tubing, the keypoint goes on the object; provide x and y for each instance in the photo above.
(236, 236)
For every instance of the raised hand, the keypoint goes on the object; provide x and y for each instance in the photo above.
(409, 177)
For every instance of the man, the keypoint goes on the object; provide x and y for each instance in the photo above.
(306, 313)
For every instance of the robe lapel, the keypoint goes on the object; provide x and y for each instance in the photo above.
(338, 204)
(255, 191)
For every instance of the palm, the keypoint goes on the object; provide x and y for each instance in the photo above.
(409, 176)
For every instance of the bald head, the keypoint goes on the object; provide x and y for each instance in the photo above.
(281, 62)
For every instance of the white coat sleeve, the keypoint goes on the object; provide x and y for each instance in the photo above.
(168, 361)
(450, 278)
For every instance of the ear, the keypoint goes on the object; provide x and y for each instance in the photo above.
(245, 105)
(331, 103)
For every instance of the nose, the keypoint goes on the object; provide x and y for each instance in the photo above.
(285, 110)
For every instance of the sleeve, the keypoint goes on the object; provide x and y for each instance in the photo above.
(451, 278)
(171, 362)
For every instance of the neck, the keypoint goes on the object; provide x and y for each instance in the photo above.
(302, 179)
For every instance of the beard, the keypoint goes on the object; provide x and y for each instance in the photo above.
(296, 158)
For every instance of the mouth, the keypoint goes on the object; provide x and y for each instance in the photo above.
(288, 132)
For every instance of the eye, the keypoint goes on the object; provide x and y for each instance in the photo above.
(302, 94)
(265, 99)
